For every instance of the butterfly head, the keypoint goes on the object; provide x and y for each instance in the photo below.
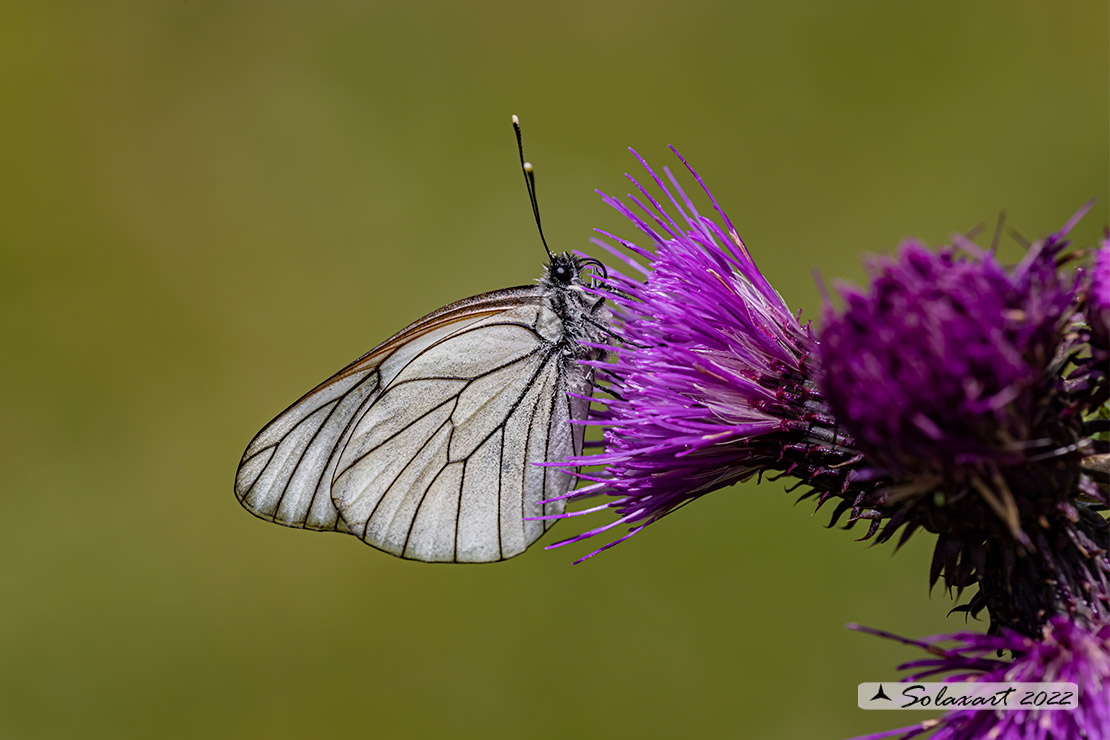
(565, 269)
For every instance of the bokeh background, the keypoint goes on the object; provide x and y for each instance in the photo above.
(208, 207)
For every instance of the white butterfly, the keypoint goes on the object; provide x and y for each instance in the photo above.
(426, 446)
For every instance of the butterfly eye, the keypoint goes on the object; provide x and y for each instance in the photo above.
(562, 274)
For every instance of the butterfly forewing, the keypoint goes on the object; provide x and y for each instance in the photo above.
(286, 473)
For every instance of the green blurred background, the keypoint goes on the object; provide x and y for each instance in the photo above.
(209, 207)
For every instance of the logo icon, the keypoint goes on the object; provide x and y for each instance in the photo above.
(880, 694)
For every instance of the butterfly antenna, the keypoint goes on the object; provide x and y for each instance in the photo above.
(530, 181)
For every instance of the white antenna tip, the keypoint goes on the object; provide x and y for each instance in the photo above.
(527, 166)
(516, 121)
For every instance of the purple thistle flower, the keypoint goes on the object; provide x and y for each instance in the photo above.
(949, 375)
(936, 368)
(1064, 651)
(713, 382)
(1098, 304)
(951, 396)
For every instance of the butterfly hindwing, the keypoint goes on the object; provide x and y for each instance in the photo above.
(285, 476)
(440, 467)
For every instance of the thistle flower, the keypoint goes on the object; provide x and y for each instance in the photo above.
(1064, 650)
(937, 401)
(1090, 375)
(1098, 300)
(949, 374)
(713, 380)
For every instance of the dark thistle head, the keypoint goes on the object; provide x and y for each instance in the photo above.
(962, 383)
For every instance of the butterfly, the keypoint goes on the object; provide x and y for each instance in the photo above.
(427, 447)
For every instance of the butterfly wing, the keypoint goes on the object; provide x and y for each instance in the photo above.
(425, 447)
(441, 466)
(286, 473)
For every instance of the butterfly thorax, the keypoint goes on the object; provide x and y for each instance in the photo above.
(572, 315)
